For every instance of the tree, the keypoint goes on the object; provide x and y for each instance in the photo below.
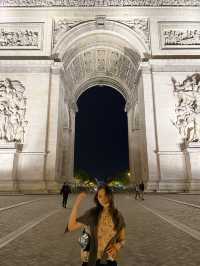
(121, 177)
(83, 176)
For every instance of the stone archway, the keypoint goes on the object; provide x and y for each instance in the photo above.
(98, 52)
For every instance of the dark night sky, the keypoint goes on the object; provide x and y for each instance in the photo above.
(101, 141)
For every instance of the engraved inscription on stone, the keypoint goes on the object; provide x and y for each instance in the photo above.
(180, 35)
(21, 36)
(12, 111)
(96, 3)
(187, 108)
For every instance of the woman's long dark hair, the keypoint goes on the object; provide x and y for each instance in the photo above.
(113, 211)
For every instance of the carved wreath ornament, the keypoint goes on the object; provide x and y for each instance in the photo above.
(187, 108)
(12, 111)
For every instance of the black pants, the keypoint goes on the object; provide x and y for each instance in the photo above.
(109, 263)
(65, 197)
(137, 194)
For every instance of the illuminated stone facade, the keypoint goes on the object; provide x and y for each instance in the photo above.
(52, 51)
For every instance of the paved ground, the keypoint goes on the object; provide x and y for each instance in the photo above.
(161, 231)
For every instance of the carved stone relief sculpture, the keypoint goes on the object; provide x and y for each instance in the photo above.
(101, 61)
(140, 25)
(180, 35)
(188, 108)
(12, 111)
(89, 61)
(21, 36)
(62, 25)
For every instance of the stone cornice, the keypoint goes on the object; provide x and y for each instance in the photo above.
(26, 62)
(36, 66)
(175, 65)
(145, 68)
(57, 67)
(100, 3)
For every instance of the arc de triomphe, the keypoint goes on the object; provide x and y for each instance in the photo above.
(53, 50)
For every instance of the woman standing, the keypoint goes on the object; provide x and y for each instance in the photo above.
(106, 228)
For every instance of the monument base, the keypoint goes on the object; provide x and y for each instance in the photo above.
(193, 160)
(173, 186)
(151, 186)
(8, 167)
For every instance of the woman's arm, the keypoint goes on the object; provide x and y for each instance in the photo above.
(73, 224)
(114, 249)
(121, 241)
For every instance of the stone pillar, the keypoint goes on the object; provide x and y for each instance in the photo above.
(130, 144)
(150, 127)
(66, 148)
(137, 147)
(51, 173)
(68, 162)
(192, 153)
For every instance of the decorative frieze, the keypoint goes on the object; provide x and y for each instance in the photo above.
(97, 3)
(12, 111)
(140, 25)
(179, 35)
(188, 108)
(16, 36)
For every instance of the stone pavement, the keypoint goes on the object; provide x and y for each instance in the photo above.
(151, 238)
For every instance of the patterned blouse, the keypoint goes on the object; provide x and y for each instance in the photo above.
(100, 226)
(105, 232)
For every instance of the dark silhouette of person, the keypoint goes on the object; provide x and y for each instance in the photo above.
(141, 187)
(137, 191)
(65, 190)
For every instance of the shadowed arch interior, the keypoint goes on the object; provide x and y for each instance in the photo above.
(101, 138)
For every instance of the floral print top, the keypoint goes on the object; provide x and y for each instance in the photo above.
(90, 218)
(105, 232)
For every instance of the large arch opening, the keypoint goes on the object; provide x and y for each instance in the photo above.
(101, 134)
(99, 55)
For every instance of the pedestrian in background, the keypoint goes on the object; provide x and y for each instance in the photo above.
(137, 191)
(65, 190)
(141, 187)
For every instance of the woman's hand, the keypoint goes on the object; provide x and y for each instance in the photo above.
(112, 251)
(80, 198)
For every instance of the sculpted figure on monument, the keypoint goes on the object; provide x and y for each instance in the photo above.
(181, 37)
(18, 38)
(12, 111)
(188, 107)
